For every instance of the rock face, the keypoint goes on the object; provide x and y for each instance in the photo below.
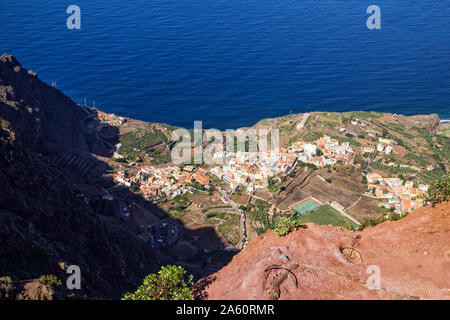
(40, 115)
(412, 256)
(430, 122)
(44, 225)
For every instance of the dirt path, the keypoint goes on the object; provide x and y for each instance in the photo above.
(359, 199)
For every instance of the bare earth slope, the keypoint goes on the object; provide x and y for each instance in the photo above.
(413, 255)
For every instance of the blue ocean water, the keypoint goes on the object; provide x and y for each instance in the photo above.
(231, 63)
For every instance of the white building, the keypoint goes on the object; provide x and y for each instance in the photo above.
(310, 150)
(380, 147)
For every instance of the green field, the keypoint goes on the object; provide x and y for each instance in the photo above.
(143, 140)
(232, 220)
(327, 215)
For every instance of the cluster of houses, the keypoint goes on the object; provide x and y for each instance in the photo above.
(252, 170)
(393, 193)
(166, 182)
(249, 169)
(109, 118)
(325, 151)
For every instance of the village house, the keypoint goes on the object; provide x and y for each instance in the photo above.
(393, 193)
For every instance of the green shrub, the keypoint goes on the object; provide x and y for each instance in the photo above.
(286, 226)
(311, 136)
(439, 191)
(4, 124)
(260, 212)
(6, 287)
(275, 184)
(168, 284)
(232, 220)
(49, 280)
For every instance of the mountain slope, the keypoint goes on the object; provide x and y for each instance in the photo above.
(40, 115)
(44, 225)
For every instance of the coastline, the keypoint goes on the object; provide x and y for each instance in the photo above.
(250, 125)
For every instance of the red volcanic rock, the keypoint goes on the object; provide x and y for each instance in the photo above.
(412, 254)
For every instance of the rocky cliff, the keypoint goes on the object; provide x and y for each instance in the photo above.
(44, 224)
(412, 256)
(41, 115)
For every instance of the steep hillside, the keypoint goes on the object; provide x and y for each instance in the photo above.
(40, 115)
(413, 256)
(44, 224)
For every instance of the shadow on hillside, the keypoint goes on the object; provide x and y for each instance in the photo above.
(200, 251)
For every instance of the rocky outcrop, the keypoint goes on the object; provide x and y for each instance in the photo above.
(430, 122)
(412, 256)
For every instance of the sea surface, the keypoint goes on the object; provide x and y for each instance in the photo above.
(231, 63)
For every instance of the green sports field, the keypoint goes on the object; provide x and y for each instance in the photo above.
(326, 215)
(306, 207)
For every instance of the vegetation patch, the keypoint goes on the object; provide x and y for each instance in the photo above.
(391, 169)
(140, 140)
(417, 159)
(287, 225)
(399, 128)
(6, 288)
(179, 205)
(5, 124)
(439, 191)
(431, 176)
(170, 283)
(331, 115)
(366, 114)
(311, 136)
(275, 184)
(49, 280)
(204, 210)
(351, 141)
(260, 212)
(386, 215)
(445, 131)
(327, 215)
(232, 221)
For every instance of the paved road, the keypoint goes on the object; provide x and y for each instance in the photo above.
(242, 219)
(372, 157)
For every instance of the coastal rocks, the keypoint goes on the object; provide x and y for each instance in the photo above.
(430, 122)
